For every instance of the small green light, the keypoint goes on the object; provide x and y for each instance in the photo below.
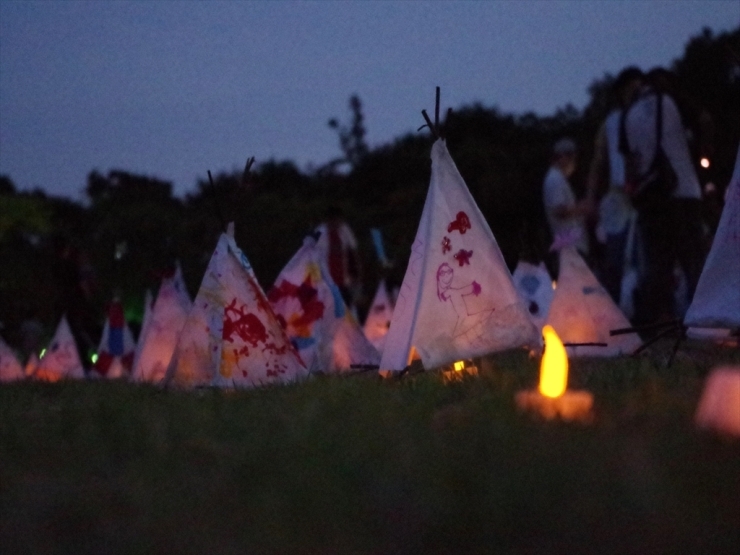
(94, 358)
(43, 352)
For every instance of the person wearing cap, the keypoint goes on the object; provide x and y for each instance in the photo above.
(565, 215)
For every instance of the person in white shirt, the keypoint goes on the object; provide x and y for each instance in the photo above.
(565, 215)
(671, 228)
(607, 171)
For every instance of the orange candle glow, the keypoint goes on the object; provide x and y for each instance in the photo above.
(552, 399)
(554, 365)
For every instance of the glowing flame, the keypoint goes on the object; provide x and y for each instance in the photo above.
(43, 352)
(704, 163)
(554, 366)
(94, 358)
(459, 366)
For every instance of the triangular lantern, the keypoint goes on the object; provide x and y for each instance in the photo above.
(582, 311)
(232, 337)
(159, 333)
(310, 307)
(457, 299)
(719, 405)
(10, 368)
(379, 317)
(61, 359)
(534, 285)
(716, 302)
(116, 345)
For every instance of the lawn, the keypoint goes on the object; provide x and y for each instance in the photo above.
(360, 465)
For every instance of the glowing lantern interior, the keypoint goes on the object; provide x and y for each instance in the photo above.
(554, 366)
(459, 366)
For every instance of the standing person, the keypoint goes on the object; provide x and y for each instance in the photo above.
(338, 247)
(669, 208)
(565, 215)
(694, 116)
(616, 214)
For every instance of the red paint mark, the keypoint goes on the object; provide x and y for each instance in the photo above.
(446, 244)
(312, 308)
(461, 223)
(463, 257)
(264, 305)
(245, 325)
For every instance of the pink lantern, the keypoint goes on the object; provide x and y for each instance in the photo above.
(719, 406)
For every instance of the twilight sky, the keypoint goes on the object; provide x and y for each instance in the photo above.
(171, 89)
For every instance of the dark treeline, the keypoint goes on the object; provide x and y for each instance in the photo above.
(59, 256)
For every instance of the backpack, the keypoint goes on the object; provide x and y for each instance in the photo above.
(654, 187)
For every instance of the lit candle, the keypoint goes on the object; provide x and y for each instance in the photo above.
(459, 369)
(554, 365)
(553, 399)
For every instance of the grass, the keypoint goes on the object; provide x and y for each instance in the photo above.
(356, 465)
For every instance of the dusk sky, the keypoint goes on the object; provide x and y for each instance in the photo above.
(172, 89)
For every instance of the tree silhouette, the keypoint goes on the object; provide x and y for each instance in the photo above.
(352, 137)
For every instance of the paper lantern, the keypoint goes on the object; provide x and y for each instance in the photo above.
(719, 406)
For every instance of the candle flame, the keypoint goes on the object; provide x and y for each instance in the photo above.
(554, 366)
(704, 163)
(459, 365)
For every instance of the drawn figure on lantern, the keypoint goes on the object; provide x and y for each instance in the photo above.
(463, 257)
(461, 223)
(446, 245)
(471, 313)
